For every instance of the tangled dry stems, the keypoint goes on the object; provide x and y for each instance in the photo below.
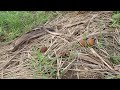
(83, 62)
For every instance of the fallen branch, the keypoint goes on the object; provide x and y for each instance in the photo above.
(75, 24)
(93, 51)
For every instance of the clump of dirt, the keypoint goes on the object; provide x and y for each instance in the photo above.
(90, 62)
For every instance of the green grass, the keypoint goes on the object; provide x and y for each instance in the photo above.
(115, 59)
(43, 67)
(15, 23)
(116, 19)
(115, 23)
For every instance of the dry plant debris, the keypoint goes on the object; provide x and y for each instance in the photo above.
(90, 62)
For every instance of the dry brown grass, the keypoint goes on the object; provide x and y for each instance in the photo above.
(82, 62)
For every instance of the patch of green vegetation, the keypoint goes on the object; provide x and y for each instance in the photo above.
(116, 19)
(15, 23)
(101, 42)
(113, 77)
(115, 59)
(43, 66)
(85, 36)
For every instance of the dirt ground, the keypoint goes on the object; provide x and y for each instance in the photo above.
(93, 62)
